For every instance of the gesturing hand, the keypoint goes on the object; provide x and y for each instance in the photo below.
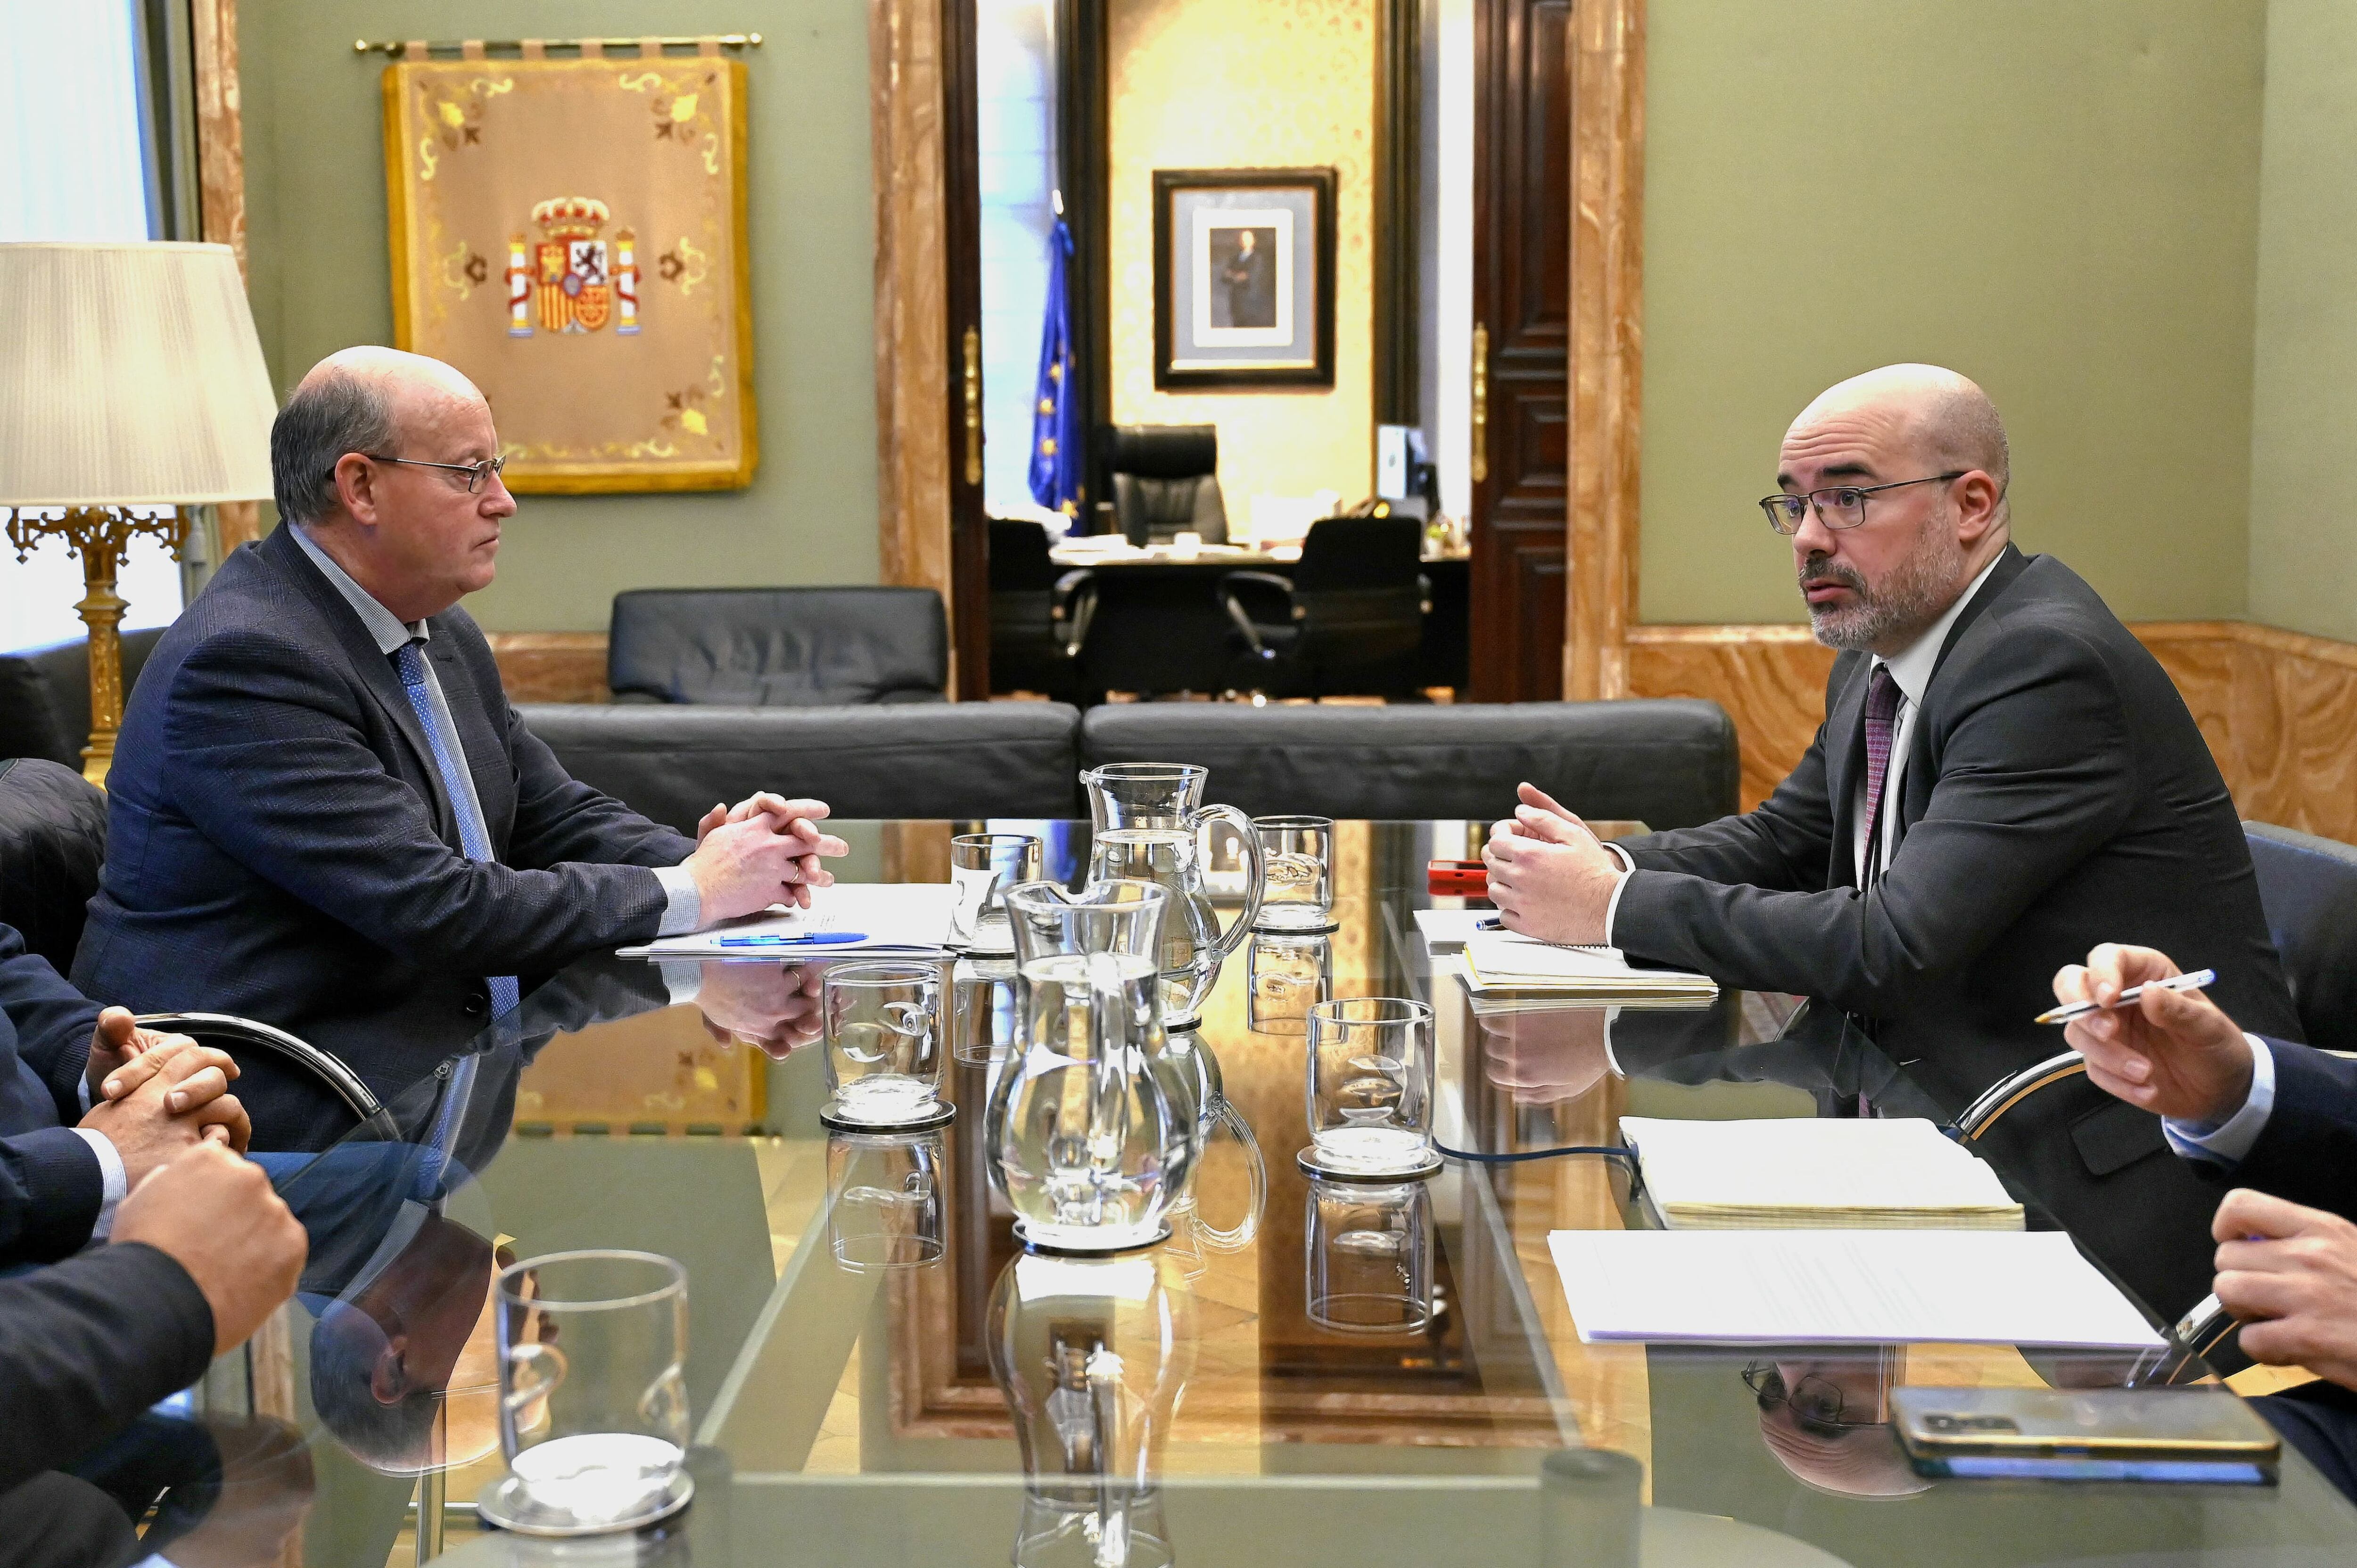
(2172, 1053)
(1548, 875)
(2289, 1274)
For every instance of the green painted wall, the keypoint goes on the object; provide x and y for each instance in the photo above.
(2059, 199)
(316, 214)
(2304, 401)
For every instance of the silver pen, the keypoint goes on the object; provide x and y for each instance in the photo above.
(2064, 1014)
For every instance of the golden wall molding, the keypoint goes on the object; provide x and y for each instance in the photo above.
(1606, 349)
(912, 356)
(551, 666)
(2279, 708)
(221, 189)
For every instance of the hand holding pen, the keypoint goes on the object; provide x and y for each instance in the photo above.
(2170, 1051)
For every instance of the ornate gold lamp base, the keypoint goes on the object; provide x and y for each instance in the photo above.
(100, 536)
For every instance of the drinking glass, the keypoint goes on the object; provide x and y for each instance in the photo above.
(883, 1047)
(985, 1009)
(1299, 854)
(1287, 975)
(1370, 1072)
(1369, 1256)
(983, 866)
(593, 1393)
(884, 1196)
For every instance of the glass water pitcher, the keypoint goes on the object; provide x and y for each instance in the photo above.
(1093, 1127)
(1148, 824)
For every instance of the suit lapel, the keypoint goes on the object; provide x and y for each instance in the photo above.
(1844, 759)
(376, 672)
(1915, 792)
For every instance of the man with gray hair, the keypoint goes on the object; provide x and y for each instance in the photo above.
(325, 815)
(2003, 778)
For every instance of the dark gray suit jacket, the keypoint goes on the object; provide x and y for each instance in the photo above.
(2056, 795)
(280, 845)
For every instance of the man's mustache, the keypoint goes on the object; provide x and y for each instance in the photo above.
(1820, 572)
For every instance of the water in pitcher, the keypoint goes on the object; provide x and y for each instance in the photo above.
(1081, 1167)
(1170, 859)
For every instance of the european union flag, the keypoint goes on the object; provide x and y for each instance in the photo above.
(1058, 471)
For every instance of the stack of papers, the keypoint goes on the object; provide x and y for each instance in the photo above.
(1806, 1174)
(1842, 1288)
(887, 919)
(1499, 963)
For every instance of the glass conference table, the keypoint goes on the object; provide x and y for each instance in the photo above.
(845, 1413)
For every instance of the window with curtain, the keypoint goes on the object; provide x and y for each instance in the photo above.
(1014, 56)
(77, 161)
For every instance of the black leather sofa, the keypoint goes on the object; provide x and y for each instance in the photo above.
(45, 696)
(1665, 763)
(948, 759)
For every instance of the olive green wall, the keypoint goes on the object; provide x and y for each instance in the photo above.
(2059, 199)
(316, 214)
(2304, 404)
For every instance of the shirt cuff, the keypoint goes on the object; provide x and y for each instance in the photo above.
(81, 1090)
(2225, 1143)
(1612, 904)
(683, 978)
(683, 905)
(114, 1182)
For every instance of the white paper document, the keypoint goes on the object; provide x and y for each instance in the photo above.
(1815, 1174)
(1501, 963)
(1842, 1288)
(890, 919)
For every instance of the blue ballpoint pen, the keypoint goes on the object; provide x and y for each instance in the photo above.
(816, 939)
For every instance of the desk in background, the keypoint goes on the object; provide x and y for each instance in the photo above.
(1159, 627)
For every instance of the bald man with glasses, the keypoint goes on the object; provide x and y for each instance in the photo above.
(2003, 778)
(325, 815)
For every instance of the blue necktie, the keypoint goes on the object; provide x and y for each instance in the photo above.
(473, 840)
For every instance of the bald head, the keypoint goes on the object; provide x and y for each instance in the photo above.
(362, 398)
(1945, 418)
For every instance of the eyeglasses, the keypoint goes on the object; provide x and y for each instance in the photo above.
(1815, 1403)
(1841, 507)
(474, 472)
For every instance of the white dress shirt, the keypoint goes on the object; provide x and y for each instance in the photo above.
(683, 905)
(1911, 669)
(2228, 1141)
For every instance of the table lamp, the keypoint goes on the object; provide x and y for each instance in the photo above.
(130, 376)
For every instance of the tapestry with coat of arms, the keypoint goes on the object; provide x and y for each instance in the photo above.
(571, 234)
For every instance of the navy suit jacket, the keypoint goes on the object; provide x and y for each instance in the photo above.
(2308, 1152)
(280, 845)
(50, 1187)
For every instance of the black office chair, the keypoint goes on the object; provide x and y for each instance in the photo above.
(778, 647)
(2097, 1163)
(2308, 888)
(1349, 620)
(1039, 616)
(52, 843)
(45, 695)
(1166, 482)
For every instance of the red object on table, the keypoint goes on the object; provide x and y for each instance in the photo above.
(1456, 879)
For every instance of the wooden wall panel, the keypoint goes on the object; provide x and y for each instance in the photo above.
(1770, 678)
(551, 666)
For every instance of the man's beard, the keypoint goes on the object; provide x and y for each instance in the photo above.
(1918, 590)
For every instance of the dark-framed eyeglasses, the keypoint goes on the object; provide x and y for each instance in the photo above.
(1844, 506)
(474, 472)
(1815, 1403)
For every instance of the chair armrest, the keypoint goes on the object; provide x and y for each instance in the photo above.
(1235, 587)
(1423, 594)
(1071, 606)
(231, 1030)
(2014, 1088)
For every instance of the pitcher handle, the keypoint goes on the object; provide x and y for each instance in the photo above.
(1240, 1238)
(1256, 883)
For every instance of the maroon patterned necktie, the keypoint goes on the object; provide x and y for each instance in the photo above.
(1881, 708)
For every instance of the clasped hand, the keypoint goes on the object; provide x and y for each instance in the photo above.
(1549, 876)
(158, 1095)
(764, 850)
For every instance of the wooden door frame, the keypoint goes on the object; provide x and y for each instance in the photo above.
(913, 400)
(1607, 350)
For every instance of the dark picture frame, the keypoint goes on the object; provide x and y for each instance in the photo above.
(1244, 279)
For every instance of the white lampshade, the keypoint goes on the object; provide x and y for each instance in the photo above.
(130, 375)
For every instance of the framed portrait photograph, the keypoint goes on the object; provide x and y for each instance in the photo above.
(1243, 278)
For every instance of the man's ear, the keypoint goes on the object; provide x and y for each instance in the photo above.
(1978, 501)
(388, 1377)
(355, 479)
